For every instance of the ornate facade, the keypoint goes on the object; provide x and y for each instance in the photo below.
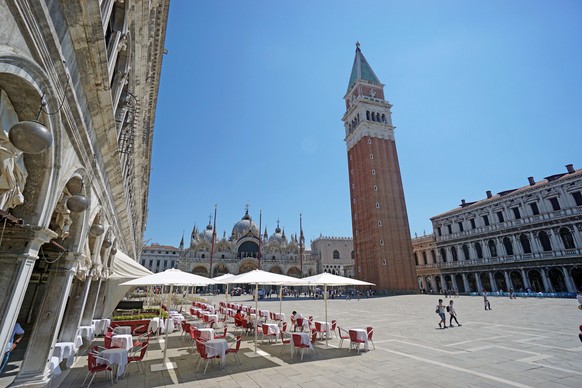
(383, 253)
(239, 253)
(525, 238)
(334, 255)
(78, 89)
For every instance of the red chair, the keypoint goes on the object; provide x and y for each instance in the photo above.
(107, 339)
(220, 335)
(139, 329)
(313, 339)
(268, 333)
(240, 324)
(343, 335)
(201, 348)
(297, 344)
(355, 341)
(194, 335)
(298, 322)
(234, 348)
(94, 367)
(285, 341)
(319, 328)
(370, 332)
(284, 327)
(185, 328)
(143, 339)
(137, 357)
(333, 327)
(310, 320)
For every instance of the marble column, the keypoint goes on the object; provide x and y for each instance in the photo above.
(478, 281)
(466, 282)
(34, 371)
(492, 282)
(568, 279)
(91, 304)
(546, 281)
(101, 296)
(525, 279)
(74, 310)
(17, 265)
(508, 281)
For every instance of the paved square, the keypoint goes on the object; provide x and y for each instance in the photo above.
(525, 342)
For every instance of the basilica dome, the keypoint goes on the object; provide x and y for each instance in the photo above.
(207, 233)
(278, 236)
(245, 225)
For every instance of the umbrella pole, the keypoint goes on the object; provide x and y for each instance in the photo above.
(256, 313)
(167, 325)
(280, 299)
(326, 322)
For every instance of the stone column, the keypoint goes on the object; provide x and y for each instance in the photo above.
(17, 266)
(100, 303)
(546, 281)
(478, 281)
(492, 282)
(74, 310)
(508, 281)
(525, 280)
(91, 303)
(568, 279)
(34, 371)
(466, 282)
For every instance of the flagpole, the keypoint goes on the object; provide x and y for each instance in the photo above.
(260, 225)
(301, 244)
(213, 238)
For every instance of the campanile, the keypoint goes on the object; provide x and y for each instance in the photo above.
(382, 246)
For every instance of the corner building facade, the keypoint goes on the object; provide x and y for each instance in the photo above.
(382, 245)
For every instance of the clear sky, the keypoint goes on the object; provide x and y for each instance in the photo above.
(484, 94)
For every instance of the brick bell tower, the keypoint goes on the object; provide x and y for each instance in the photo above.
(382, 246)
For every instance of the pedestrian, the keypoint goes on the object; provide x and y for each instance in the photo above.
(486, 300)
(579, 297)
(511, 294)
(17, 335)
(440, 310)
(452, 314)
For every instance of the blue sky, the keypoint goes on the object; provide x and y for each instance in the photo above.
(484, 94)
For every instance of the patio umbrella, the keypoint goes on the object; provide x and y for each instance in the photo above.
(170, 277)
(220, 280)
(257, 277)
(326, 279)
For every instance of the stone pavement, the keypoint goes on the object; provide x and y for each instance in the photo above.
(521, 343)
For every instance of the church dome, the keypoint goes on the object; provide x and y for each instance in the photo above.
(278, 236)
(245, 225)
(207, 234)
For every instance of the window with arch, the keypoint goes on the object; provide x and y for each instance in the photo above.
(384, 263)
(375, 188)
(383, 118)
(524, 241)
(369, 141)
(479, 250)
(492, 248)
(433, 255)
(424, 260)
(545, 241)
(444, 255)
(454, 254)
(371, 156)
(415, 258)
(352, 255)
(368, 115)
(466, 252)
(508, 246)
(567, 238)
(336, 255)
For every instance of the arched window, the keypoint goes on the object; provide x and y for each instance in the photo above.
(433, 254)
(525, 245)
(479, 250)
(567, 238)
(492, 248)
(383, 118)
(508, 246)
(368, 115)
(336, 254)
(415, 258)
(424, 260)
(378, 117)
(454, 254)
(444, 255)
(545, 241)
(466, 252)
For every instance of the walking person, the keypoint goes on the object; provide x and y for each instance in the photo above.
(17, 334)
(486, 300)
(440, 310)
(452, 314)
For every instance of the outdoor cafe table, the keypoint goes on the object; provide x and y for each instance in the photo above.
(87, 332)
(122, 330)
(361, 335)
(124, 341)
(101, 325)
(116, 356)
(324, 328)
(273, 329)
(206, 334)
(217, 347)
(304, 341)
(155, 324)
(264, 314)
(65, 351)
(279, 316)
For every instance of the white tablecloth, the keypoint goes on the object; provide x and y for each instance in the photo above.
(273, 328)
(362, 335)
(101, 325)
(264, 313)
(217, 347)
(279, 316)
(65, 351)
(154, 324)
(122, 330)
(324, 327)
(87, 332)
(124, 341)
(116, 356)
(206, 334)
(304, 341)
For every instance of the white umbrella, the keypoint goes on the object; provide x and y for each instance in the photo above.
(170, 277)
(220, 280)
(257, 277)
(326, 279)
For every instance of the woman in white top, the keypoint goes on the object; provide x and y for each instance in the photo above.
(453, 314)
